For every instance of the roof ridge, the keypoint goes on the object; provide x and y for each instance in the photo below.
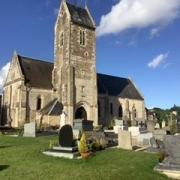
(33, 59)
(113, 76)
(76, 6)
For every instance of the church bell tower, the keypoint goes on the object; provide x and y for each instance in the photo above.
(74, 74)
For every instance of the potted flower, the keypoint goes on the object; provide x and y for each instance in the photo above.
(83, 147)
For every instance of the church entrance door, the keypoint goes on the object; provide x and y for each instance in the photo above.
(81, 113)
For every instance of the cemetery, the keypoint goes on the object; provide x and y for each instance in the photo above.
(83, 149)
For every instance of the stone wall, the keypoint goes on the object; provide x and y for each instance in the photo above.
(105, 115)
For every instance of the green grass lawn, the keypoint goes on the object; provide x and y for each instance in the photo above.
(21, 158)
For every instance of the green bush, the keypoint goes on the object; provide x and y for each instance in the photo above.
(83, 146)
(52, 143)
(99, 144)
(103, 143)
(161, 156)
(20, 131)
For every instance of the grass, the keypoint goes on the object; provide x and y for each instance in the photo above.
(21, 158)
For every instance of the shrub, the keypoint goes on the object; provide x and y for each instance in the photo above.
(98, 128)
(20, 131)
(103, 143)
(99, 144)
(52, 143)
(95, 146)
(161, 156)
(83, 146)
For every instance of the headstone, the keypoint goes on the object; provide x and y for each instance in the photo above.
(83, 125)
(159, 134)
(76, 133)
(124, 140)
(30, 129)
(66, 136)
(144, 138)
(118, 122)
(171, 164)
(163, 124)
(134, 123)
(150, 126)
(153, 143)
(116, 129)
(134, 130)
(157, 126)
(172, 147)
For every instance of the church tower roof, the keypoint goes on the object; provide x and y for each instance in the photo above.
(80, 16)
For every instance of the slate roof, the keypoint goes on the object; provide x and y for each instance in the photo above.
(39, 74)
(80, 16)
(54, 108)
(117, 86)
(36, 72)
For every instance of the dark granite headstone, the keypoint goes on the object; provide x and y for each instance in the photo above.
(66, 136)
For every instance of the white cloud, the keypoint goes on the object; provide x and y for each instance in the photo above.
(158, 60)
(127, 14)
(3, 74)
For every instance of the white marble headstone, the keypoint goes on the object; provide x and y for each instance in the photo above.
(30, 129)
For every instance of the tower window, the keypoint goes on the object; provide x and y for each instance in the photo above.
(111, 108)
(39, 103)
(120, 111)
(62, 39)
(82, 39)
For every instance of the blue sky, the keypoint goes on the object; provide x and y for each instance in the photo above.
(139, 40)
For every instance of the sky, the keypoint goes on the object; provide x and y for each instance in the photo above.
(136, 39)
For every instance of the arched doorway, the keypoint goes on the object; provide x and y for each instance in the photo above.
(81, 113)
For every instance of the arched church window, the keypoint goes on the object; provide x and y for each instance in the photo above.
(39, 103)
(120, 111)
(82, 39)
(134, 112)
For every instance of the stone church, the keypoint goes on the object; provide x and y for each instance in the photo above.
(40, 91)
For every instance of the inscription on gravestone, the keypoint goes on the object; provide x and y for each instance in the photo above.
(66, 136)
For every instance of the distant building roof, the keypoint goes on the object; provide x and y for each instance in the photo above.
(80, 16)
(38, 74)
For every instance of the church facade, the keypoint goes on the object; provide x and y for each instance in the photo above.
(40, 91)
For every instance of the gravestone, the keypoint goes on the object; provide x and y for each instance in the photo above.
(153, 143)
(171, 164)
(30, 129)
(124, 140)
(118, 122)
(150, 126)
(163, 124)
(83, 125)
(66, 136)
(157, 126)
